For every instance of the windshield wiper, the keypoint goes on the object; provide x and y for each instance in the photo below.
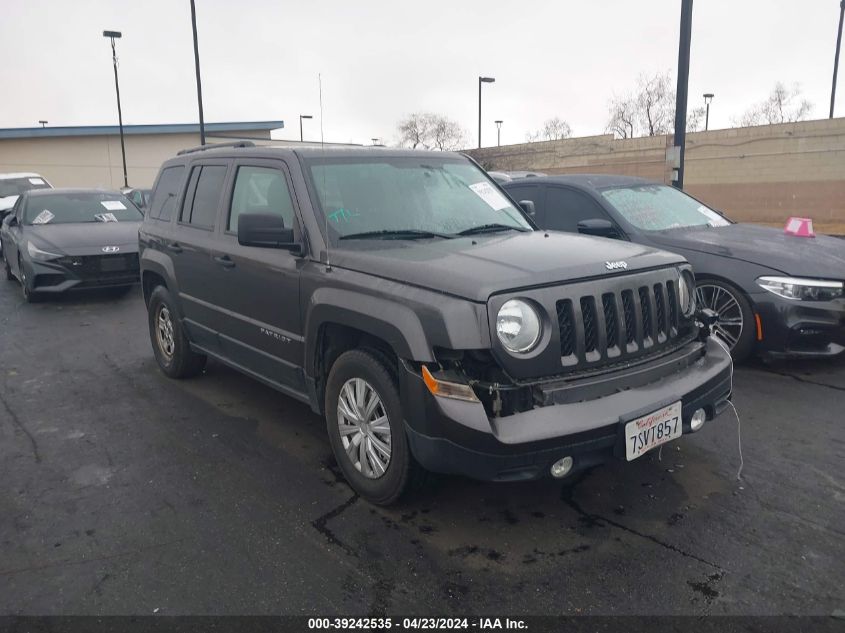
(491, 228)
(395, 234)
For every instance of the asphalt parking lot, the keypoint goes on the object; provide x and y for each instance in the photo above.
(126, 492)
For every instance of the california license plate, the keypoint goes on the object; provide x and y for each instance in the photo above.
(654, 429)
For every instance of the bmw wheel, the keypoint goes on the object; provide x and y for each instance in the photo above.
(735, 323)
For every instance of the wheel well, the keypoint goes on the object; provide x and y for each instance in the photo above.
(732, 284)
(333, 339)
(149, 282)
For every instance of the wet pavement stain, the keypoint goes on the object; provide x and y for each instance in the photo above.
(706, 588)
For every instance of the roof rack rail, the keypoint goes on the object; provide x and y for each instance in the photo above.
(202, 148)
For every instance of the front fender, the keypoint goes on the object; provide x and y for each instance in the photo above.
(392, 322)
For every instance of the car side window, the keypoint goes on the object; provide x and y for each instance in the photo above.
(529, 192)
(201, 203)
(260, 190)
(565, 208)
(167, 190)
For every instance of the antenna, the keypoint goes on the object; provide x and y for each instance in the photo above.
(322, 151)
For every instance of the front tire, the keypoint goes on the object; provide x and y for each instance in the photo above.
(366, 427)
(28, 295)
(9, 275)
(736, 325)
(170, 345)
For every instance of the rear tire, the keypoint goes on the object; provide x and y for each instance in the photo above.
(170, 345)
(736, 326)
(380, 480)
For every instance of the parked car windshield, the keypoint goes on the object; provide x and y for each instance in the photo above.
(411, 197)
(68, 208)
(16, 186)
(660, 207)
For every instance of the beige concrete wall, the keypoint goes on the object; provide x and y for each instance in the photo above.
(95, 161)
(756, 174)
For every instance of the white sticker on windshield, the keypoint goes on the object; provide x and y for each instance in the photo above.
(36, 181)
(106, 217)
(44, 217)
(485, 191)
(715, 218)
(113, 205)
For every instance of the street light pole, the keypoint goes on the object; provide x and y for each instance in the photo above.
(708, 97)
(43, 123)
(303, 116)
(113, 35)
(498, 133)
(836, 58)
(197, 67)
(481, 80)
(683, 89)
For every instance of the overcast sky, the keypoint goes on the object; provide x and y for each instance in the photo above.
(383, 59)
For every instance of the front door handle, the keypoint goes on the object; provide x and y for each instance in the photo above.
(225, 261)
(174, 247)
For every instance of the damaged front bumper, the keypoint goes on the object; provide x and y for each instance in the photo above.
(583, 419)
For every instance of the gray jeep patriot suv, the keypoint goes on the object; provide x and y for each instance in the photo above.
(408, 300)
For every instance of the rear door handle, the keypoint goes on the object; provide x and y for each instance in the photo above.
(174, 247)
(225, 261)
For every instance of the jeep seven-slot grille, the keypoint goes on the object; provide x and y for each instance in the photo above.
(627, 322)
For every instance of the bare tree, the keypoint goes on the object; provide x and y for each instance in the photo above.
(623, 120)
(425, 130)
(553, 129)
(648, 111)
(655, 102)
(447, 135)
(695, 119)
(783, 105)
(415, 130)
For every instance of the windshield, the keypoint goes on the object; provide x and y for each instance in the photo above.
(67, 208)
(660, 207)
(16, 186)
(412, 196)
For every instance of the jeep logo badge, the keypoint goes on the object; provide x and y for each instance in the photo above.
(111, 249)
(616, 265)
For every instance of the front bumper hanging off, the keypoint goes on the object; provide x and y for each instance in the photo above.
(458, 437)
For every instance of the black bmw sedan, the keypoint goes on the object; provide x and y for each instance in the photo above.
(60, 239)
(775, 294)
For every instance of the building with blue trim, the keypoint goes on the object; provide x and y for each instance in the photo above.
(89, 155)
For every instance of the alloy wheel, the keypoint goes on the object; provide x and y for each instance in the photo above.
(164, 332)
(730, 322)
(364, 428)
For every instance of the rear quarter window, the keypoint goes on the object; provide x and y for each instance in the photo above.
(166, 192)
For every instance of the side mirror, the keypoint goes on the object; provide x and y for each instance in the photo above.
(266, 230)
(528, 207)
(599, 227)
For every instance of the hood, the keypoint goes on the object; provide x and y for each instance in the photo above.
(477, 267)
(86, 238)
(820, 256)
(8, 202)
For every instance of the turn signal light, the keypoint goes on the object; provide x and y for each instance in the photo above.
(446, 389)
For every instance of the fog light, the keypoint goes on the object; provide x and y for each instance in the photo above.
(698, 419)
(562, 467)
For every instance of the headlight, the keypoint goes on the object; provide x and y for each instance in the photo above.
(686, 293)
(518, 326)
(37, 253)
(806, 289)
